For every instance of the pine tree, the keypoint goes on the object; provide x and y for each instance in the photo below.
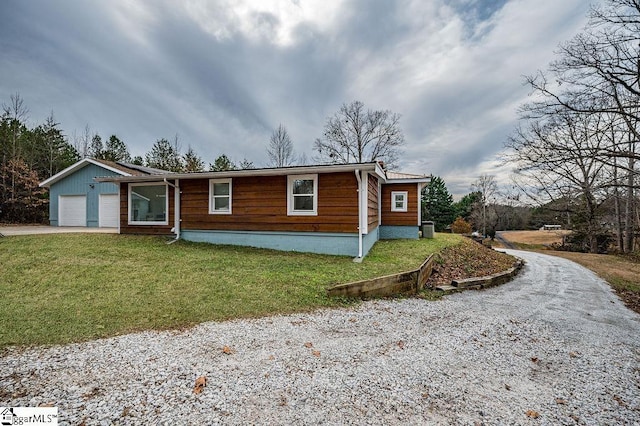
(437, 204)
(221, 164)
(192, 161)
(164, 156)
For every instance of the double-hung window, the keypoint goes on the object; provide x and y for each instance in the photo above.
(220, 196)
(399, 201)
(302, 195)
(148, 204)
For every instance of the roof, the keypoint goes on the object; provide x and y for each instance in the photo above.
(273, 171)
(399, 177)
(375, 167)
(119, 168)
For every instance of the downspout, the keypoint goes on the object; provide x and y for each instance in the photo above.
(176, 208)
(359, 258)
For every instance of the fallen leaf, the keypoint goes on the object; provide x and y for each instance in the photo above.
(425, 395)
(271, 357)
(201, 382)
(573, 354)
(561, 401)
(534, 359)
(352, 319)
(47, 404)
(316, 353)
(400, 344)
(533, 414)
(620, 401)
(507, 387)
(227, 350)
(308, 345)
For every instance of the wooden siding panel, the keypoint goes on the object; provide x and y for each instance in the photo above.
(408, 218)
(260, 204)
(372, 202)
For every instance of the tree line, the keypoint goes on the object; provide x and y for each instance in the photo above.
(29, 155)
(576, 147)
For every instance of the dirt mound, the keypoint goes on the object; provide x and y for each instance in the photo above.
(466, 260)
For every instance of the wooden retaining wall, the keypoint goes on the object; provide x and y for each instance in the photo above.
(404, 282)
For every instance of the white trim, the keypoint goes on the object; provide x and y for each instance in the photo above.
(290, 196)
(155, 222)
(77, 166)
(405, 201)
(212, 182)
(419, 204)
(379, 202)
(364, 195)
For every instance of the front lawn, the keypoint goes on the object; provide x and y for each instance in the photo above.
(74, 287)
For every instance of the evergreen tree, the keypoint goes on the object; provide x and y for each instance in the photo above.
(138, 160)
(221, 164)
(164, 156)
(192, 161)
(96, 148)
(464, 208)
(437, 204)
(115, 150)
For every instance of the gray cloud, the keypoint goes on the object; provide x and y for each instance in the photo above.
(222, 75)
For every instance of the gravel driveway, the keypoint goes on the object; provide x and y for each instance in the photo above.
(555, 344)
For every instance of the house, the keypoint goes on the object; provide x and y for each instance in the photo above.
(75, 199)
(333, 209)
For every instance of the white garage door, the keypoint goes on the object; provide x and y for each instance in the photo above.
(72, 210)
(109, 211)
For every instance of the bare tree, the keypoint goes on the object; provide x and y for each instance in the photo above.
(356, 135)
(598, 72)
(487, 187)
(280, 148)
(82, 142)
(559, 158)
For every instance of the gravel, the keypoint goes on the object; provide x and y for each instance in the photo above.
(554, 346)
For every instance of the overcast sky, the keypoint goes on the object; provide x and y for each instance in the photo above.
(222, 74)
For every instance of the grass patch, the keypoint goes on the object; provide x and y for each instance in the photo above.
(74, 287)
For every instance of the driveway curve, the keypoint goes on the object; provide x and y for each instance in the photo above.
(554, 346)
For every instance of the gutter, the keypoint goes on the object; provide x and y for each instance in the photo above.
(176, 208)
(359, 179)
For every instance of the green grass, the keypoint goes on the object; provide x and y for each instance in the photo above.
(75, 287)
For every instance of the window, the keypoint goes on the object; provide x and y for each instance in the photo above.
(399, 201)
(302, 196)
(148, 204)
(220, 196)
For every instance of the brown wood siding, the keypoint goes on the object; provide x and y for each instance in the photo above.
(125, 228)
(260, 204)
(410, 217)
(372, 202)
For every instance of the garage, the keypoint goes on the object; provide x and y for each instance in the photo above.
(76, 199)
(109, 211)
(72, 210)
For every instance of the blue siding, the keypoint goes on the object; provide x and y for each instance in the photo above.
(397, 232)
(309, 242)
(78, 183)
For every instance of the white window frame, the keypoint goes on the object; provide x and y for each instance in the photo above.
(212, 196)
(405, 201)
(290, 196)
(166, 207)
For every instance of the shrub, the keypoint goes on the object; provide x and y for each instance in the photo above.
(460, 226)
